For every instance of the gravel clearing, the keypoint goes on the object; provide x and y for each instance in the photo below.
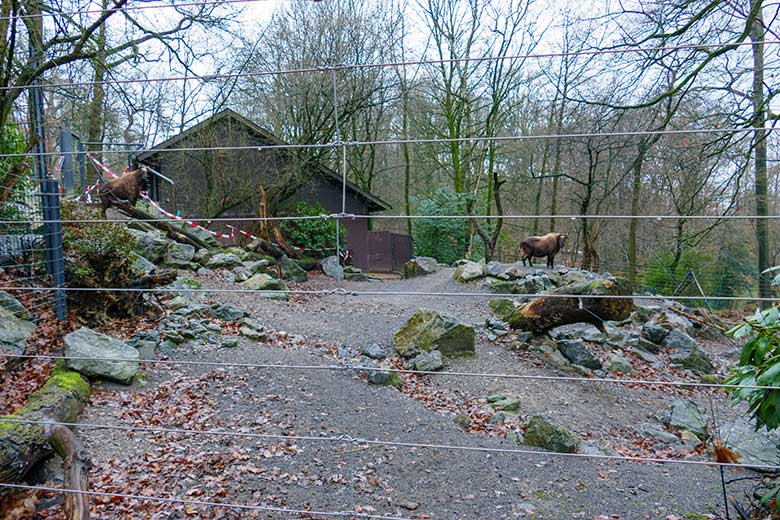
(399, 481)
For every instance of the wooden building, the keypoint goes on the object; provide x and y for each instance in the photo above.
(210, 182)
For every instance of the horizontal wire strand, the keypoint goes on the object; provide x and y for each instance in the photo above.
(356, 368)
(324, 68)
(215, 3)
(229, 505)
(412, 445)
(350, 216)
(326, 292)
(421, 140)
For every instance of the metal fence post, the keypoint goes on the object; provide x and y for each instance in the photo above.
(82, 166)
(68, 169)
(55, 261)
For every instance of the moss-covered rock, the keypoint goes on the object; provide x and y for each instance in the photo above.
(502, 308)
(549, 436)
(429, 330)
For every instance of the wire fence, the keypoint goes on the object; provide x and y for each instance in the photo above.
(31, 259)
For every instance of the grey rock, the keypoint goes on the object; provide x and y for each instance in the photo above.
(494, 268)
(659, 435)
(513, 271)
(142, 265)
(654, 332)
(14, 332)
(230, 342)
(647, 345)
(265, 282)
(383, 376)
(428, 361)
(97, 347)
(420, 266)
(679, 340)
(292, 271)
(182, 252)
(204, 236)
(252, 333)
(13, 305)
(178, 302)
(202, 255)
(694, 359)
(332, 267)
(670, 320)
(152, 245)
(223, 261)
(576, 331)
(173, 336)
(553, 437)
(429, 330)
(258, 266)
(576, 352)
(685, 414)
(469, 271)
(227, 312)
(620, 365)
(242, 273)
(508, 405)
(374, 351)
(496, 328)
(646, 356)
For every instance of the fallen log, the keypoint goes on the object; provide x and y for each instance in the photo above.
(549, 311)
(155, 279)
(68, 447)
(23, 445)
(179, 235)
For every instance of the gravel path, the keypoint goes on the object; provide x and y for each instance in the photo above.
(442, 484)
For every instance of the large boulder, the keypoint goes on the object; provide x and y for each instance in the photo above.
(685, 414)
(265, 282)
(204, 236)
(549, 436)
(13, 305)
(420, 266)
(291, 271)
(468, 271)
(654, 332)
(152, 245)
(502, 308)
(14, 332)
(429, 330)
(92, 351)
(576, 352)
(181, 256)
(332, 267)
(754, 447)
(142, 265)
(686, 352)
(223, 261)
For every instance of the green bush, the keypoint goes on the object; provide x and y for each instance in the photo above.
(442, 239)
(312, 234)
(98, 255)
(18, 205)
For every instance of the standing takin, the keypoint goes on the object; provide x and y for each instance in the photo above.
(123, 190)
(546, 245)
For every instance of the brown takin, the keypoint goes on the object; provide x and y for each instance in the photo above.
(123, 190)
(546, 245)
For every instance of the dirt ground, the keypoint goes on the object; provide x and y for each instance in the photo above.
(335, 473)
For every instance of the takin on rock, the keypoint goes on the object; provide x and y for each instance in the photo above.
(125, 189)
(546, 245)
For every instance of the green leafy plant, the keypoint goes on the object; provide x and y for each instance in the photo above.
(442, 239)
(312, 234)
(20, 204)
(759, 365)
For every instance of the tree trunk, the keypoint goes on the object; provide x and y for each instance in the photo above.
(761, 182)
(546, 312)
(635, 195)
(96, 104)
(23, 445)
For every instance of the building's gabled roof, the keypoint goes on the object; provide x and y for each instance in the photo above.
(374, 203)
